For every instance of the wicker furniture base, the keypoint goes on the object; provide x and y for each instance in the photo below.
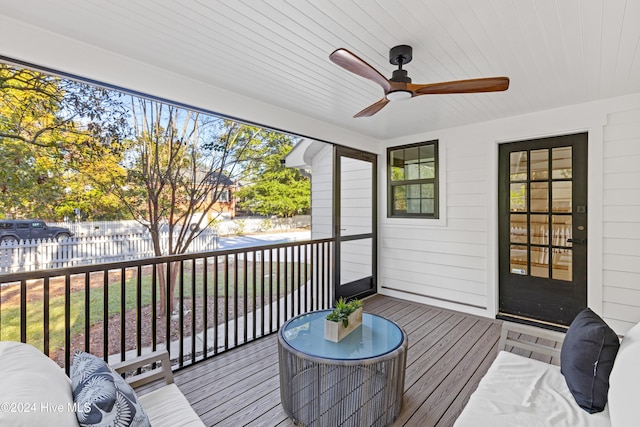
(333, 392)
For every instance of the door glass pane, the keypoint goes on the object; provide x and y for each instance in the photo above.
(561, 230)
(539, 197)
(561, 193)
(518, 197)
(540, 164)
(539, 262)
(562, 268)
(539, 229)
(518, 166)
(356, 197)
(519, 228)
(355, 260)
(518, 258)
(561, 163)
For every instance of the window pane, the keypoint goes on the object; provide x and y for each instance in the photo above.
(427, 206)
(413, 191)
(427, 153)
(561, 163)
(540, 164)
(518, 197)
(539, 197)
(397, 165)
(562, 230)
(519, 230)
(518, 166)
(412, 171)
(562, 268)
(400, 198)
(561, 193)
(427, 191)
(518, 257)
(413, 206)
(540, 229)
(427, 170)
(540, 262)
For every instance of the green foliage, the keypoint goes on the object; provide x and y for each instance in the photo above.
(275, 188)
(342, 311)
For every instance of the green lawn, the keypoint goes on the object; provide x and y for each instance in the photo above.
(10, 312)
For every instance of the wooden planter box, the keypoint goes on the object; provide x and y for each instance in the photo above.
(335, 331)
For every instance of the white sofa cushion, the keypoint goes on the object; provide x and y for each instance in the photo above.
(517, 391)
(34, 390)
(624, 407)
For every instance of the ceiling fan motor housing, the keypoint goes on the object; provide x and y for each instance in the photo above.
(400, 55)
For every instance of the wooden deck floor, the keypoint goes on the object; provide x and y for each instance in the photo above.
(448, 354)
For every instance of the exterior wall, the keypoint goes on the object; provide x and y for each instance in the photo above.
(621, 217)
(322, 194)
(453, 262)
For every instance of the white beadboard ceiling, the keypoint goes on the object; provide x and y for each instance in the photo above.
(556, 52)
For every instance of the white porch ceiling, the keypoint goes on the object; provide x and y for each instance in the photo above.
(556, 52)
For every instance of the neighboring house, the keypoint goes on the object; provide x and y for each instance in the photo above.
(226, 205)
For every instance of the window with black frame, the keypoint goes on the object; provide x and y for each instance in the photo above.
(413, 180)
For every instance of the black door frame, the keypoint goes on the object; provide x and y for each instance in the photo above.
(578, 294)
(369, 285)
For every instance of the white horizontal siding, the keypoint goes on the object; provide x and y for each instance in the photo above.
(621, 215)
(322, 194)
(445, 263)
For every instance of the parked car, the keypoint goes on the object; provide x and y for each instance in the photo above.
(23, 229)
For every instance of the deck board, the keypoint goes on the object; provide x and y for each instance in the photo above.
(448, 354)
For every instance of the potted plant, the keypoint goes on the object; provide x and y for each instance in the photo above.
(345, 317)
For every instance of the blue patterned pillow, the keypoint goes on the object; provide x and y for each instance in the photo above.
(102, 397)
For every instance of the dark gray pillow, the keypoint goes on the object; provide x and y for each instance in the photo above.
(586, 360)
(102, 397)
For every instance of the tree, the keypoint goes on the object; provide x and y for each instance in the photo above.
(179, 162)
(276, 189)
(47, 126)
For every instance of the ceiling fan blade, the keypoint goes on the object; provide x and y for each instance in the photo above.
(351, 62)
(373, 108)
(489, 84)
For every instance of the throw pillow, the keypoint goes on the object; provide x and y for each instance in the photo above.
(586, 360)
(625, 377)
(102, 397)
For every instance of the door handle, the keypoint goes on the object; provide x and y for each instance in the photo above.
(577, 241)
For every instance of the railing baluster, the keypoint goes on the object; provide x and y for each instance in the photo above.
(181, 314)
(253, 294)
(278, 289)
(205, 304)
(154, 305)
(245, 299)
(87, 312)
(263, 308)
(45, 314)
(215, 305)
(105, 314)
(139, 310)
(193, 310)
(235, 299)
(226, 302)
(123, 313)
(67, 323)
(23, 310)
(167, 306)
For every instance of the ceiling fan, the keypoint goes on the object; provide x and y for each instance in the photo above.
(399, 86)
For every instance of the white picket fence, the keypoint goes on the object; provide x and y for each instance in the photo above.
(32, 255)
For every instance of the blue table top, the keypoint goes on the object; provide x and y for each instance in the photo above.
(375, 337)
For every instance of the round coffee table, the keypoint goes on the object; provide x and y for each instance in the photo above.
(358, 381)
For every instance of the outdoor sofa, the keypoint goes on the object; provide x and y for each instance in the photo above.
(35, 391)
(520, 391)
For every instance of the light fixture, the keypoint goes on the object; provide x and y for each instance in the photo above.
(399, 95)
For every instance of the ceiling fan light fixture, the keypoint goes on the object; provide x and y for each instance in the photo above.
(399, 95)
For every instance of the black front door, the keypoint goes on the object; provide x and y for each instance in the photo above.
(543, 229)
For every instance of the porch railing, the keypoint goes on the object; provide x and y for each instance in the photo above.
(221, 299)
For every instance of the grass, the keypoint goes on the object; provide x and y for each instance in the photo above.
(10, 310)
